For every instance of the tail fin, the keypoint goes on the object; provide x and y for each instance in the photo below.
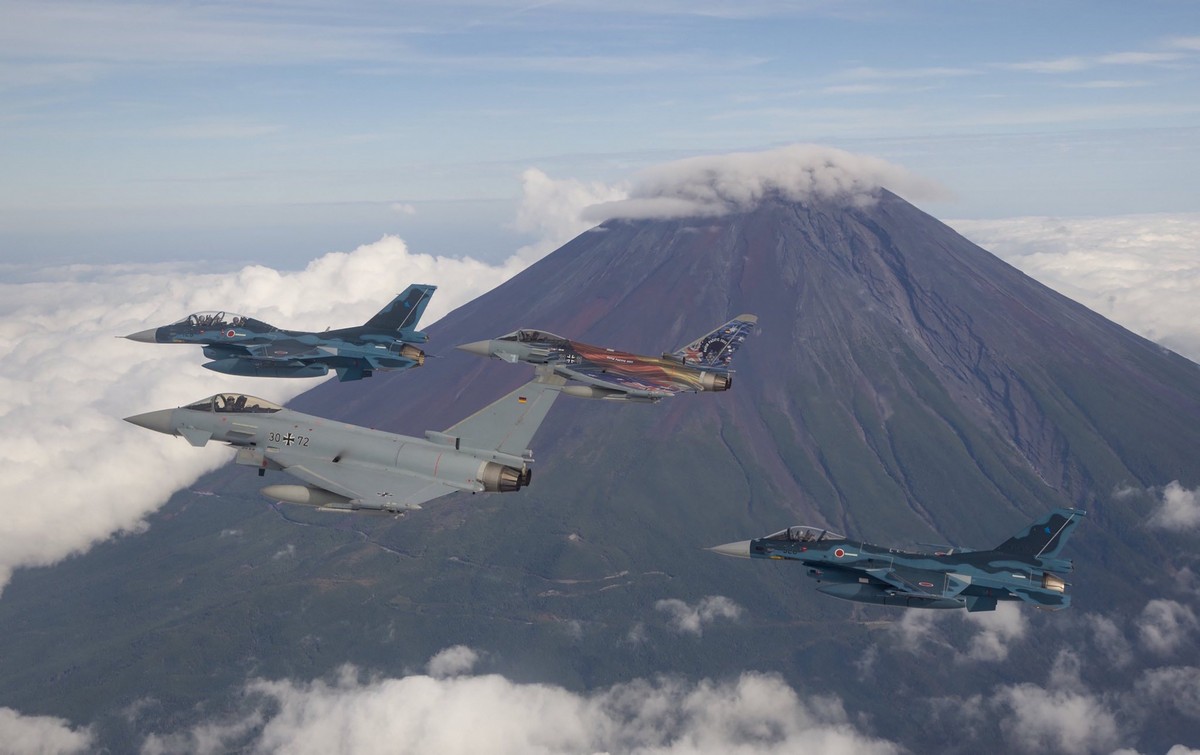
(1045, 537)
(716, 349)
(404, 312)
(508, 425)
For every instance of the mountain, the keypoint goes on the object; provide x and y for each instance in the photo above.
(904, 386)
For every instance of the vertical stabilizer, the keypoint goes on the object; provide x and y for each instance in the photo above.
(716, 349)
(1045, 537)
(508, 425)
(404, 312)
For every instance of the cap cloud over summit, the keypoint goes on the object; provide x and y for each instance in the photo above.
(715, 185)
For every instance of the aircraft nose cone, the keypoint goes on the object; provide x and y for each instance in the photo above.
(741, 549)
(158, 421)
(482, 348)
(145, 336)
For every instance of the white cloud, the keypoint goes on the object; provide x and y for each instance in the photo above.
(691, 619)
(75, 474)
(754, 713)
(1055, 720)
(1175, 687)
(1109, 639)
(992, 633)
(452, 661)
(1180, 508)
(45, 735)
(997, 631)
(1142, 271)
(719, 184)
(554, 208)
(1165, 625)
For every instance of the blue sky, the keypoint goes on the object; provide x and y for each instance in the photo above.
(279, 130)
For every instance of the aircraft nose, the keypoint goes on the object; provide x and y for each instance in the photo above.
(741, 549)
(145, 336)
(482, 348)
(158, 421)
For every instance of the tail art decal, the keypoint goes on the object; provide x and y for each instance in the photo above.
(716, 349)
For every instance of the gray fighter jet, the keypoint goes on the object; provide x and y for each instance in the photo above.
(1024, 567)
(348, 468)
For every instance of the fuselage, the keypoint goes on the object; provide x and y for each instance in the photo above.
(246, 346)
(863, 572)
(635, 374)
(265, 433)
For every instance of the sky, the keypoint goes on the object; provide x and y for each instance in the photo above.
(302, 162)
(275, 131)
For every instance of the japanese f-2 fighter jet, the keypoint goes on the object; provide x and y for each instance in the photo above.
(349, 468)
(244, 346)
(1024, 567)
(702, 365)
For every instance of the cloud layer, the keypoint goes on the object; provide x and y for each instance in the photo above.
(754, 713)
(720, 184)
(1142, 271)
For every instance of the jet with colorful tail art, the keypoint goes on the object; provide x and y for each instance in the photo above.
(702, 365)
(350, 468)
(1024, 567)
(245, 346)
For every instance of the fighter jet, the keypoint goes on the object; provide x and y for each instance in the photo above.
(702, 365)
(351, 468)
(245, 346)
(1024, 567)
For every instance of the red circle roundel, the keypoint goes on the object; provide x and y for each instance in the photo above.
(229, 334)
(839, 553)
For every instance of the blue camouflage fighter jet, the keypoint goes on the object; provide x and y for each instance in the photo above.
(1024, 567)
(244, 346)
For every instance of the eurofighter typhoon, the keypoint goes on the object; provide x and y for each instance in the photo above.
(244, 346)
(1024, 567)
(702, 365)
(346, 467)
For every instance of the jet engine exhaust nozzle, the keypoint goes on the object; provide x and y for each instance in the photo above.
(497, 478)
(412, 352)
(716, 381)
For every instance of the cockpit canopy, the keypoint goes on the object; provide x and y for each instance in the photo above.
(234, 403)
(805, 534)
(529, 336)
(214, 320)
